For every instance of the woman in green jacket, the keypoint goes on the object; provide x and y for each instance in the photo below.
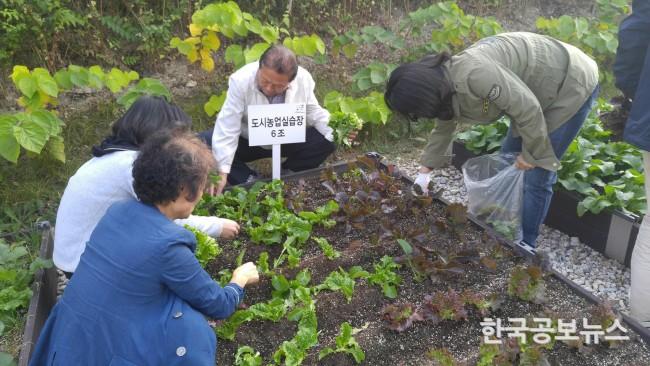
(545, 86)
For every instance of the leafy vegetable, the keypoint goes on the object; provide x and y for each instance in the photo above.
(345, 343)
(206, 247)
(343, 124)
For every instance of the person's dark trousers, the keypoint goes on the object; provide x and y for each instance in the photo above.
(538, 182)
(300, 156)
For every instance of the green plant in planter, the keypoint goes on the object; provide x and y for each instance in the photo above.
(207, 247)
(247, 356)
(441, 357)
(527, 283)
(343, 124)
(386, 277)
(345, 343)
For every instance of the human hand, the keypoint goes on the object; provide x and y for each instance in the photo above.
(520, 163)
(352, 135)
(215, 189)
(246, 274)
(229, 229)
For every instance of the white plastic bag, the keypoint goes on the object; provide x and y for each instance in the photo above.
(495, 190)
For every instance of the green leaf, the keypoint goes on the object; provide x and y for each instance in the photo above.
(269, 34)
(325, 352)
(28, 86)
(6, 359)
(406, 246)
(47, 84)
(364, 83)
(78, 75)
(62, 78)
(235, 55)
(390, 291)
(214, 104)
(9, 146)
(30, 134)
(56, 148)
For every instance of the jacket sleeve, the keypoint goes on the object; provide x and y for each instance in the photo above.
(434, 155)
(633, 41)
(502, 87)
(210, 225)
(182, 273)
(317, 116)
(227, 128)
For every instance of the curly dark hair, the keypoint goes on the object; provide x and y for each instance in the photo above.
(167, 163)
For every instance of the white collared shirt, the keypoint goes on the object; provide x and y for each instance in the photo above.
(232, 121)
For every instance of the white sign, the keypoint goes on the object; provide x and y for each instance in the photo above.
(273, 124)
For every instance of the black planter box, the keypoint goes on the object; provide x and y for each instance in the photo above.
(610, 233)
(43, 298)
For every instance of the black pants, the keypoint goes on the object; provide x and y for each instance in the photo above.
(300, 156)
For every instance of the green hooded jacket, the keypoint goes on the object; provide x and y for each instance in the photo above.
(539, 82)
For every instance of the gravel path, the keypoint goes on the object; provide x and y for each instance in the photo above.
(606, 278)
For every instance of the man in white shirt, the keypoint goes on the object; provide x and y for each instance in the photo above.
(275, 79)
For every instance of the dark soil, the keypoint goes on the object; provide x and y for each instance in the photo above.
(383, 346)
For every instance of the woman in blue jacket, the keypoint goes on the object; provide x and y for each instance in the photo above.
(139, 296)
(632, 72)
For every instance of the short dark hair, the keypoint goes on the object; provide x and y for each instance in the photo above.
(281, 60)
(168, 162)
(420, 89)
(147, 116)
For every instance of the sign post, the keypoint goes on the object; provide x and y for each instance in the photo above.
(276, 124)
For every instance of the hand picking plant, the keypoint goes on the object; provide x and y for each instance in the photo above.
(345, 343)
(343, 124)
(527, 283)
(206, 247)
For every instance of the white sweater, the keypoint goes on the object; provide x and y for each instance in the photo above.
(232, 120)
(99, 183)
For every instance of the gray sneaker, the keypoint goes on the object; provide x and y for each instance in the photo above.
(525, 247)
(251, 178)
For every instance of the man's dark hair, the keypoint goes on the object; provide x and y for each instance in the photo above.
(168, 162)
(420, 89)
(281, 60)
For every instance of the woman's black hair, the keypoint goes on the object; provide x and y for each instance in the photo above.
(146, 116)
(420, 89)
(168, 162)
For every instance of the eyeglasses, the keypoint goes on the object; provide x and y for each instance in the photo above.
(265, 83)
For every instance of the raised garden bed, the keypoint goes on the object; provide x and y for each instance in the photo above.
(468, 252)
(43, 298)
(611, 233)
(454, 259)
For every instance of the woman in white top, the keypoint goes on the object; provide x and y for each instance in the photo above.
(106, 179)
